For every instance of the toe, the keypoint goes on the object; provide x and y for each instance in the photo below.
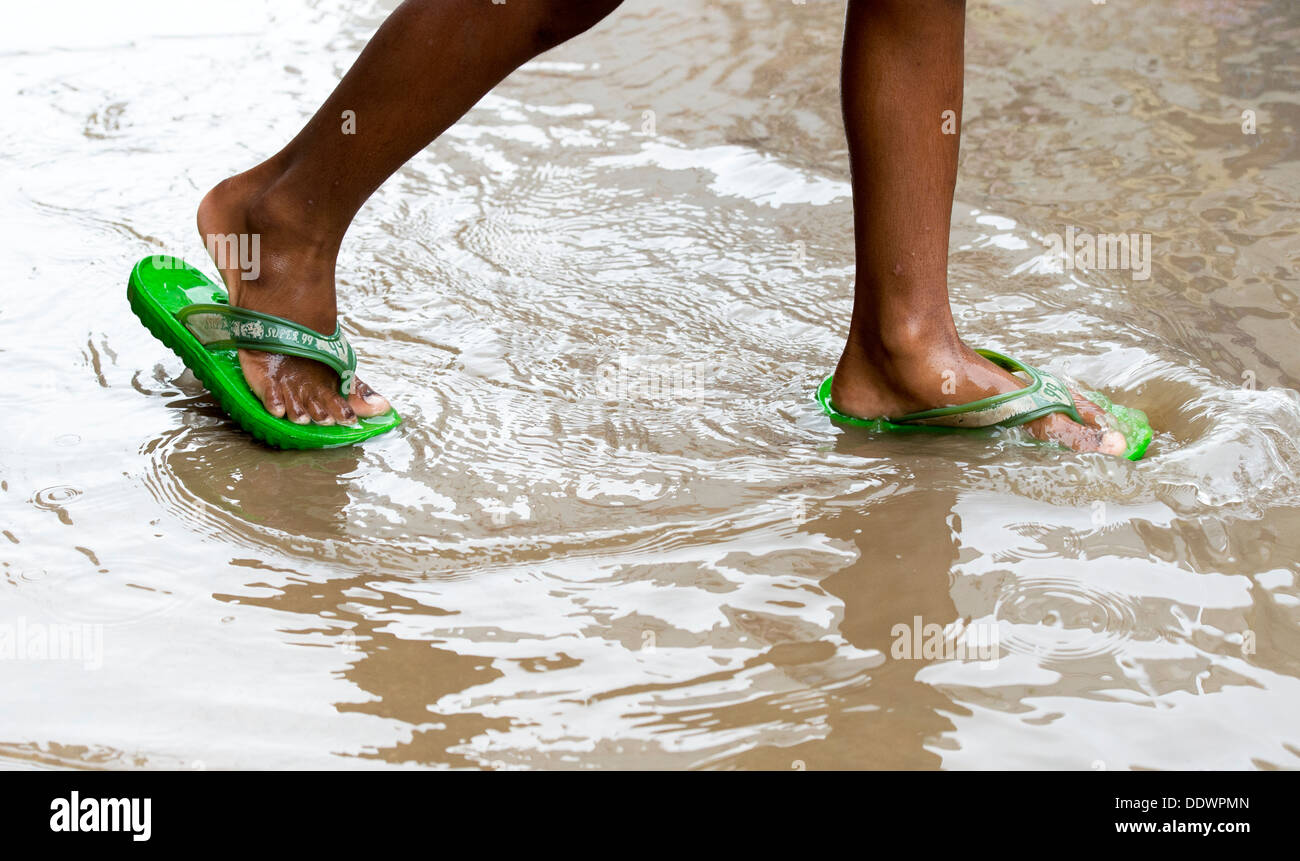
(341, 412)
(1113, 442)
(1091, 413)
(273, 400)
(365, 401)
(319, 414)
(1109, 439)
(1083, 438)
(261, 381)
(294, 409)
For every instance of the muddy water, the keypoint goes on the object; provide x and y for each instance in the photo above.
(615, 531)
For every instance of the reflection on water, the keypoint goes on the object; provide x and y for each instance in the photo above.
(614, 530)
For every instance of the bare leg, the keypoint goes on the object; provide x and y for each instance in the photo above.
(425, 67)
(902, 68)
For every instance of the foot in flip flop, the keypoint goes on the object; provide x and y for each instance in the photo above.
(293, 279)
(262, 348)
(961, 388)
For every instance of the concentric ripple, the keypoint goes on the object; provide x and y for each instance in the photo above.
(1060, 619)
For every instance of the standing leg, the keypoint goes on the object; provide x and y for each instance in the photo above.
(425, 67)
(902, 68)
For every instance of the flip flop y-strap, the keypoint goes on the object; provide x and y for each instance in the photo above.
(1045, 394)
(225, 327)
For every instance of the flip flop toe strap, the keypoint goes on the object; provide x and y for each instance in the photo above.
(1045, 394)
(224, 327)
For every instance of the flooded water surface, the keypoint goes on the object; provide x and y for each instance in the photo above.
(615, 530)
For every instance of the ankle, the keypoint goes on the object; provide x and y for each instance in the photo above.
(270, 259)
(902, 341)
(897, 368)
(278, 214)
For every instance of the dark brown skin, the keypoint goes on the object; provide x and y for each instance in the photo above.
(902, 68)
(425, 67)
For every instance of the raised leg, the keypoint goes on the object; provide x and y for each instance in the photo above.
(425, 67)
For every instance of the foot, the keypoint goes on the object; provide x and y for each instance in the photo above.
(880, 383)
(295, 280)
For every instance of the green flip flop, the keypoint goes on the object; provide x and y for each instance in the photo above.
(1045, 394)
(192, 315)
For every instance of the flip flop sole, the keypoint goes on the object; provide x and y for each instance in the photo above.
(1132, 423)
(158, 288)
